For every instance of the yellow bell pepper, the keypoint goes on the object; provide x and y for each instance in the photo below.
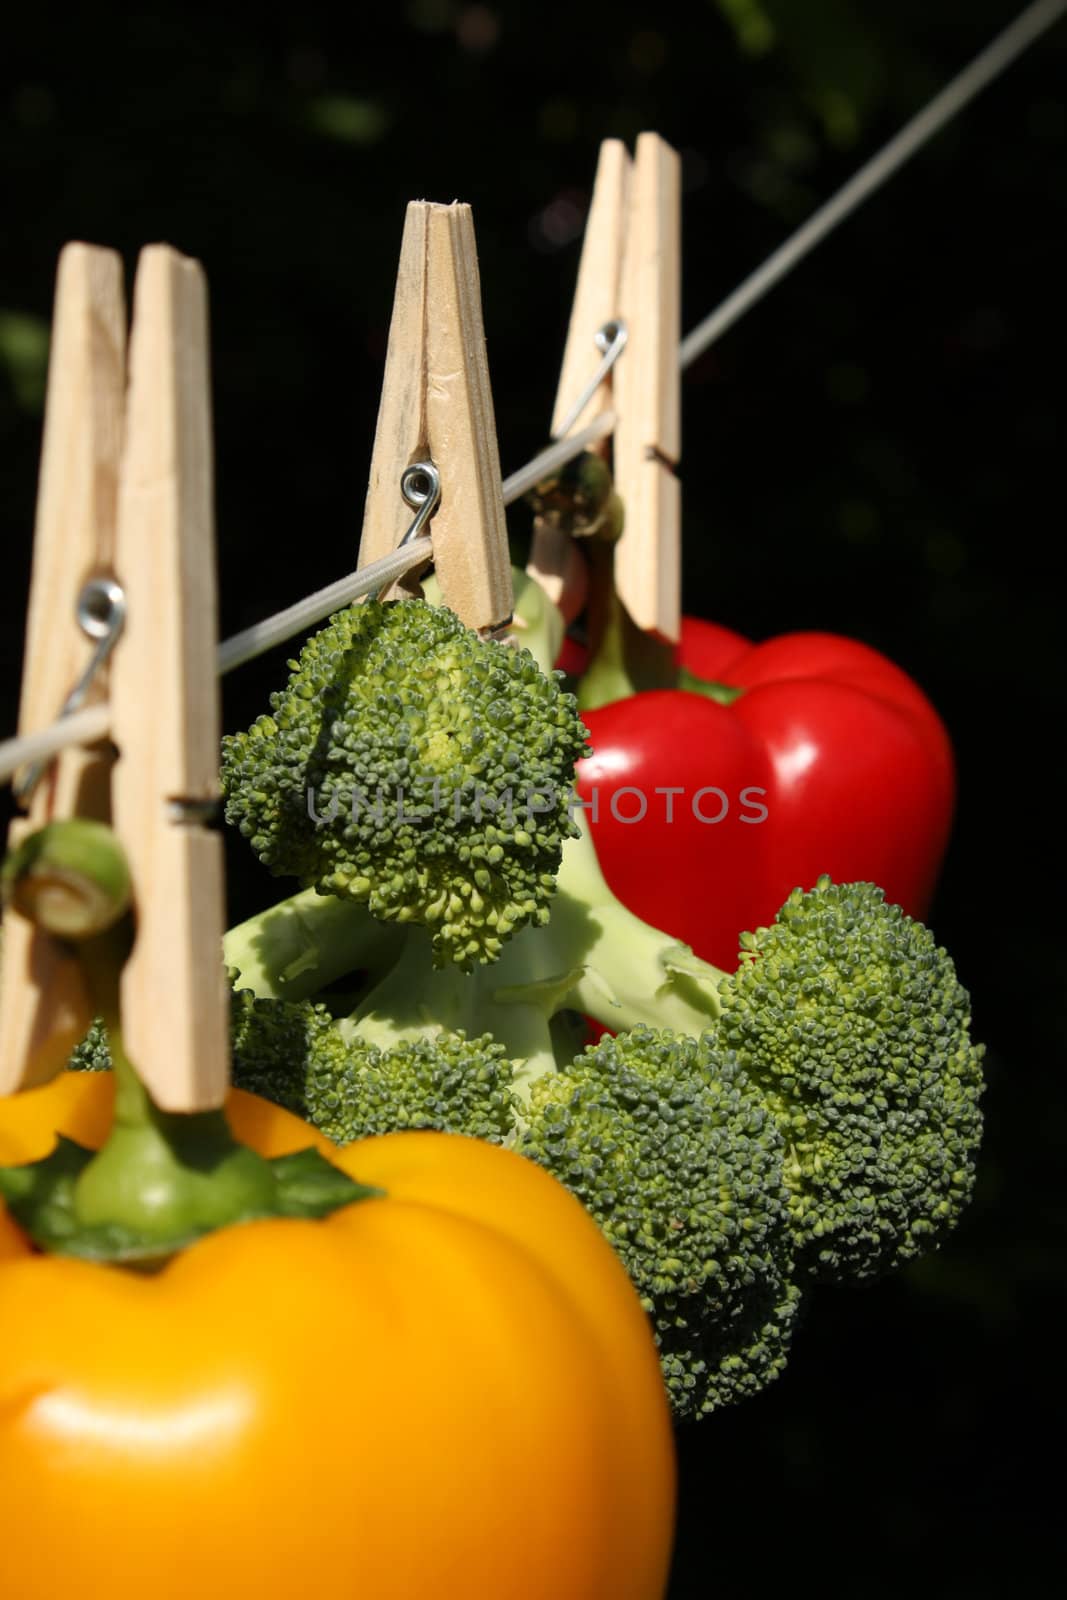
(445, 1392)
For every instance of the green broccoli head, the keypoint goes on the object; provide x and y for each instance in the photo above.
(410, 765)
(298, 1055)
(92, 1054)
(851, 1020)
(675, 1155)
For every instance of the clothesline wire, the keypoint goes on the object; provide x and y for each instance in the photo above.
(987, 66)
(298, 618)
(963, 88)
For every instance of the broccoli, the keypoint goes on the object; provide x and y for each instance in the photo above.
(812, 1116)
(410, 765)
(841, 1098)
(93, 1053)
(667, 1143)
(303, 1059)
(856, 1029)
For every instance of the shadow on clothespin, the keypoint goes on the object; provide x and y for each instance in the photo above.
(630, 275)
(437, 408)
(126, 495)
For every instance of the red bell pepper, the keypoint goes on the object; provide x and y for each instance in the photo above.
(818, 755)
(725, 774)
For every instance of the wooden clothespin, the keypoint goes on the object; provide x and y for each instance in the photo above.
(135, 502)
(630, 270)
(437, 406)
(42, 997)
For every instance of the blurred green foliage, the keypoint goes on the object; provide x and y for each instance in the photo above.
(24, 357)
(875, 450)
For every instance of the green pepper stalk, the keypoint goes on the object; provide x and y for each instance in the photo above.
(70, 878)
(165, 1176)
(623, 659)
(162, 1179)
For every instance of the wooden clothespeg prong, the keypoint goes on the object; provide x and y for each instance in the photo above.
(629, 274)
(44, 1009)
(165, 696)
(597, 296)
(596, 306)
(437, 406)
(647, 391)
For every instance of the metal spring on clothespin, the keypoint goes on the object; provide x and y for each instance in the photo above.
(420, 484)
(610, 340)
(101, 613)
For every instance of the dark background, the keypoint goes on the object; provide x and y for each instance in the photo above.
(875, 450)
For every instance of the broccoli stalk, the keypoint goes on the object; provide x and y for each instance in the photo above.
(593, 956)
(302, 945)
(845, 1013)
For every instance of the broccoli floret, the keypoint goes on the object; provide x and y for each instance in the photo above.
(855, 1027)
(676, 1156)
(92, 1054)
(298, 1055)
(413, 767)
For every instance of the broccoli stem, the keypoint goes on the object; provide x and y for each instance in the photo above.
(537, 624)
(592, 956)
(417, 1000)
(628, 972)
(297, 948)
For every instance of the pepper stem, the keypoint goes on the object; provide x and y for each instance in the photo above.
(69, 877)
(623, 659)
(164, 1175)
